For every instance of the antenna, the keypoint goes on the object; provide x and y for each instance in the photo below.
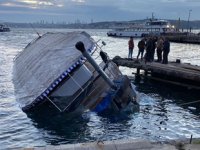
(188, 24)
(152, 16)
(35, 30)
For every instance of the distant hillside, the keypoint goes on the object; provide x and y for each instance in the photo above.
(99, 25)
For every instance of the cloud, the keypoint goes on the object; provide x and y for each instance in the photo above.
(100, 10)
(78, 1)
(32, 3)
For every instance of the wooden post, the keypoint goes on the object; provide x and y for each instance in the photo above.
(145, 72)
(137, 76)
(138, 71)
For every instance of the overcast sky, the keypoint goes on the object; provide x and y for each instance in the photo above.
(96, 10)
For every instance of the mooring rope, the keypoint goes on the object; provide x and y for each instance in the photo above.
(190, 103)
(180, 104)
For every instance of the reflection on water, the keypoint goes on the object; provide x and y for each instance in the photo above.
(174, 94)
(161, 115)
(166, 104)
(76, 127)
(59, 127)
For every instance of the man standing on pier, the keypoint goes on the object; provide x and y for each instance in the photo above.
(149, 47)
(154, 40)
(166, 50)
(131, 47)
(141, 47)
(159, 46)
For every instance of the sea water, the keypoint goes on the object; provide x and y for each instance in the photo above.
(161, 116)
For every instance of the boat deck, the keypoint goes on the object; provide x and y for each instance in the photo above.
(175, 73)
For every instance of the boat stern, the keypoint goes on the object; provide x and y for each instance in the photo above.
(118, 99)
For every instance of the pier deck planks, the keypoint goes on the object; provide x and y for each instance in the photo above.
(172, 69)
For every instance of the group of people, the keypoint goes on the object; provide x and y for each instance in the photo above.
(151, 44)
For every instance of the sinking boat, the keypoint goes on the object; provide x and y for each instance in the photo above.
(64, 70)
(4, 28)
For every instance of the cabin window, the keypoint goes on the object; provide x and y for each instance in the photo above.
(72, 87)
(164, 29)
(157, 29)
(157, 23)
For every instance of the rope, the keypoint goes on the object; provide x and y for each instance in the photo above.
(183, 104)
(35, 30)
(53, 103)
(190, 103)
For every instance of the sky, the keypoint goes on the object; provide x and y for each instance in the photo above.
(87, 11)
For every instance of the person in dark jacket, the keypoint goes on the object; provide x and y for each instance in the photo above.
(141, 47)
(152, 53)
(149, 46)
(166, 50)
(159, 47)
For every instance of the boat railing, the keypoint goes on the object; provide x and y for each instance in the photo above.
(82, 90)
(96, 56)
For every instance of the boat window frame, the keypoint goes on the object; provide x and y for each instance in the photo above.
(74, 95)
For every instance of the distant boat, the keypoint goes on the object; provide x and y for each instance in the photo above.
(59, 69)
(151, 27)
(4, 28)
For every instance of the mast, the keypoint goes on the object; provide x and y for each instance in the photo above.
(188, 24)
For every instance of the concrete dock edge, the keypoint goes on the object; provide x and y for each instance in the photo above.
(130, 144)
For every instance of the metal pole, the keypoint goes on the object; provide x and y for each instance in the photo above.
(80, 46)
(188, 20)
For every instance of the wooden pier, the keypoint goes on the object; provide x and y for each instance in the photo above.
(190, 38)
(177, 73)
(185, 39)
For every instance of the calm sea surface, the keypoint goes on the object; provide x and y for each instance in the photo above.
(160, 117)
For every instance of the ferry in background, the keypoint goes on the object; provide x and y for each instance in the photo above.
(151, 27)
(4, 28)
